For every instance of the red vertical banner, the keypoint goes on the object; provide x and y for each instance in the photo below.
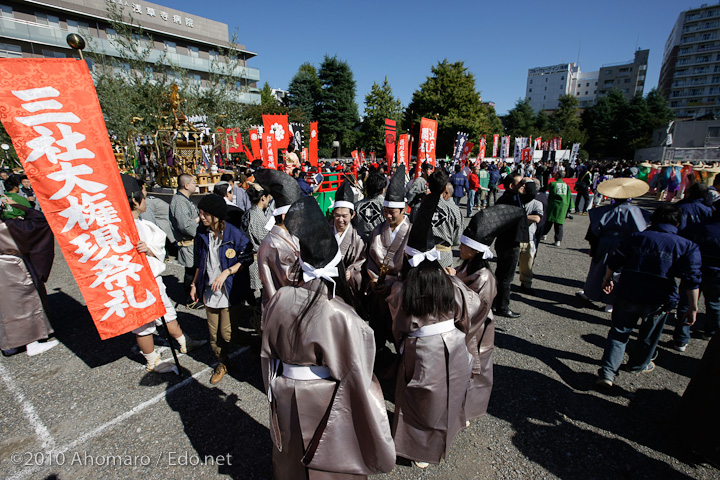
(269, 153)
(279, 127)
(255, 143)
(372, 156)
(51, 112)
(362, 157)
(482, 149)
(466, 152)
(428, 140)
(390, 136)
(304, 155)
(313, 158)
(355, 156)
(527, 155)
(496, 139)
(234, 139)
(402, 151)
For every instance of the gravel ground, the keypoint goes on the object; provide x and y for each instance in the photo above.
(88, 400)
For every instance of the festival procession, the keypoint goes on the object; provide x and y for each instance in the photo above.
(203, 299)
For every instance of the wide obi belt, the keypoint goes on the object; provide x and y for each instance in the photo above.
(431, 330)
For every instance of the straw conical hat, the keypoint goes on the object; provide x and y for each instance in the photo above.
(712, 169)
(623, 188)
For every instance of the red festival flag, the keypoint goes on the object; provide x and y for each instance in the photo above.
(313, 152)
(496, 139)
(235, 142)
(362, 156)
(52, 113)
(269, 152)
(277, 125)
(428, 139)
(402, 151)
(355, 156)
(466, 152)
(255, 143)
(390, 136)
(482, 148)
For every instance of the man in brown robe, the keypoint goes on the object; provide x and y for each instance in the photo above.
(327, 412)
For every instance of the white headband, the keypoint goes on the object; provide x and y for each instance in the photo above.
(480, 247)
(344, 204)
(327, 272)
(391, 204)
(277, 211)
(417, 257)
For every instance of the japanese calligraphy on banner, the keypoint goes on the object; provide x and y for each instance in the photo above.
(356, 157)
(574, 152)
(53, 116)
(313, 151)
(428, 140)
(483, 148)
(460, 140)
(362, 157)
(466, 152)
(269, 151)
(496, 138)
(527, 155)
(402, 151)
(280, 128)
(390, 136)
(235, 143)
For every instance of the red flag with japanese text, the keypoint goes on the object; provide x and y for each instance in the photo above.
(527, 155)
(482, 149)
(52, 113)
(313, 158)
(466, 152)
(496, 139)
(402, 151)
(428, 140)
(355, 156)
(234, 140)
(269, 152)
(279, 126)
(390, 136)
(255, 143)
(362, 156)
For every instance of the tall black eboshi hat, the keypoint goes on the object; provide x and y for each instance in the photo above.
(395, 195)
(344, 196)
(487, 224)
(319, 251)
(421, 242)
(283, 188)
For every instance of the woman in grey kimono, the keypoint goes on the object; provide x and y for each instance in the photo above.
(327, 412)
(352, 246)
(430, 312)
(253, 224)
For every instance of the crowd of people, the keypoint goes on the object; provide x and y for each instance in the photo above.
(393, 281)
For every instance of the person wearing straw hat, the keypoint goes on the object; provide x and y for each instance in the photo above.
(609, 226)
(327, 412)
(646, 291)
(278, 250)
(430, 313)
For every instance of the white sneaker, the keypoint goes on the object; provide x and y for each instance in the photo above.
(36, 348)
(421, 464)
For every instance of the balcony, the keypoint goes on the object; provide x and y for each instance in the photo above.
(42, 34)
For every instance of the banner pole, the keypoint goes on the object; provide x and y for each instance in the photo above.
(172, 347)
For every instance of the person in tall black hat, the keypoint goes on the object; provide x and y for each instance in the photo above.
(352, 246)
(385, 254)
(223, 255)
(430, 312)
(370, 209)
(317, 356)
(475, 273)
(278, 250)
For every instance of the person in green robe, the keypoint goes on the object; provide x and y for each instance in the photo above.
(12, 197)
(559, 203)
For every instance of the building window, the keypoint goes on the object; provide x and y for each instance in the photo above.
(77, 27)
(627, 80)
(608, 72)
(544, 97)
(195, 78)
(53, 54)
(10, 51)
(586, 92)
(562, 78)
(111, 33)
(530, 90)
(531, 81)
(546, 89)
(49, 20)
(170, 47)
(194, 52)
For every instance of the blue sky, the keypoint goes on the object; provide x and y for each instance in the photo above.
(498, 41)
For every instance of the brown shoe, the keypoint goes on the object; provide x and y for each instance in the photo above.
(219, 373)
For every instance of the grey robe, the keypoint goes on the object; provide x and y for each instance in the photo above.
(276, 256)
(447, 224)
(158, 212)
(24, 319)
(480, 339)
(432, 380)
(183, 213)
(326, 428)
(353, 251)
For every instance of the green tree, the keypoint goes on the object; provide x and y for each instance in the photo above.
(379, 105)
(304, 91)
(607, 126)
(449, 96)
(337, 110)
(521, 120)
(660, 112)
(267, 99)
(566, 123)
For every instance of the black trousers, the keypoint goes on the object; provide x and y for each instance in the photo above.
(507, 260)
(559, 228)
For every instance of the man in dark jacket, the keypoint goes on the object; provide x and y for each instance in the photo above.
(460, 184)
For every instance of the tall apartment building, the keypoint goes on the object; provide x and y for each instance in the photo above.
(690, 71)
(38, 29)
(545, 85)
